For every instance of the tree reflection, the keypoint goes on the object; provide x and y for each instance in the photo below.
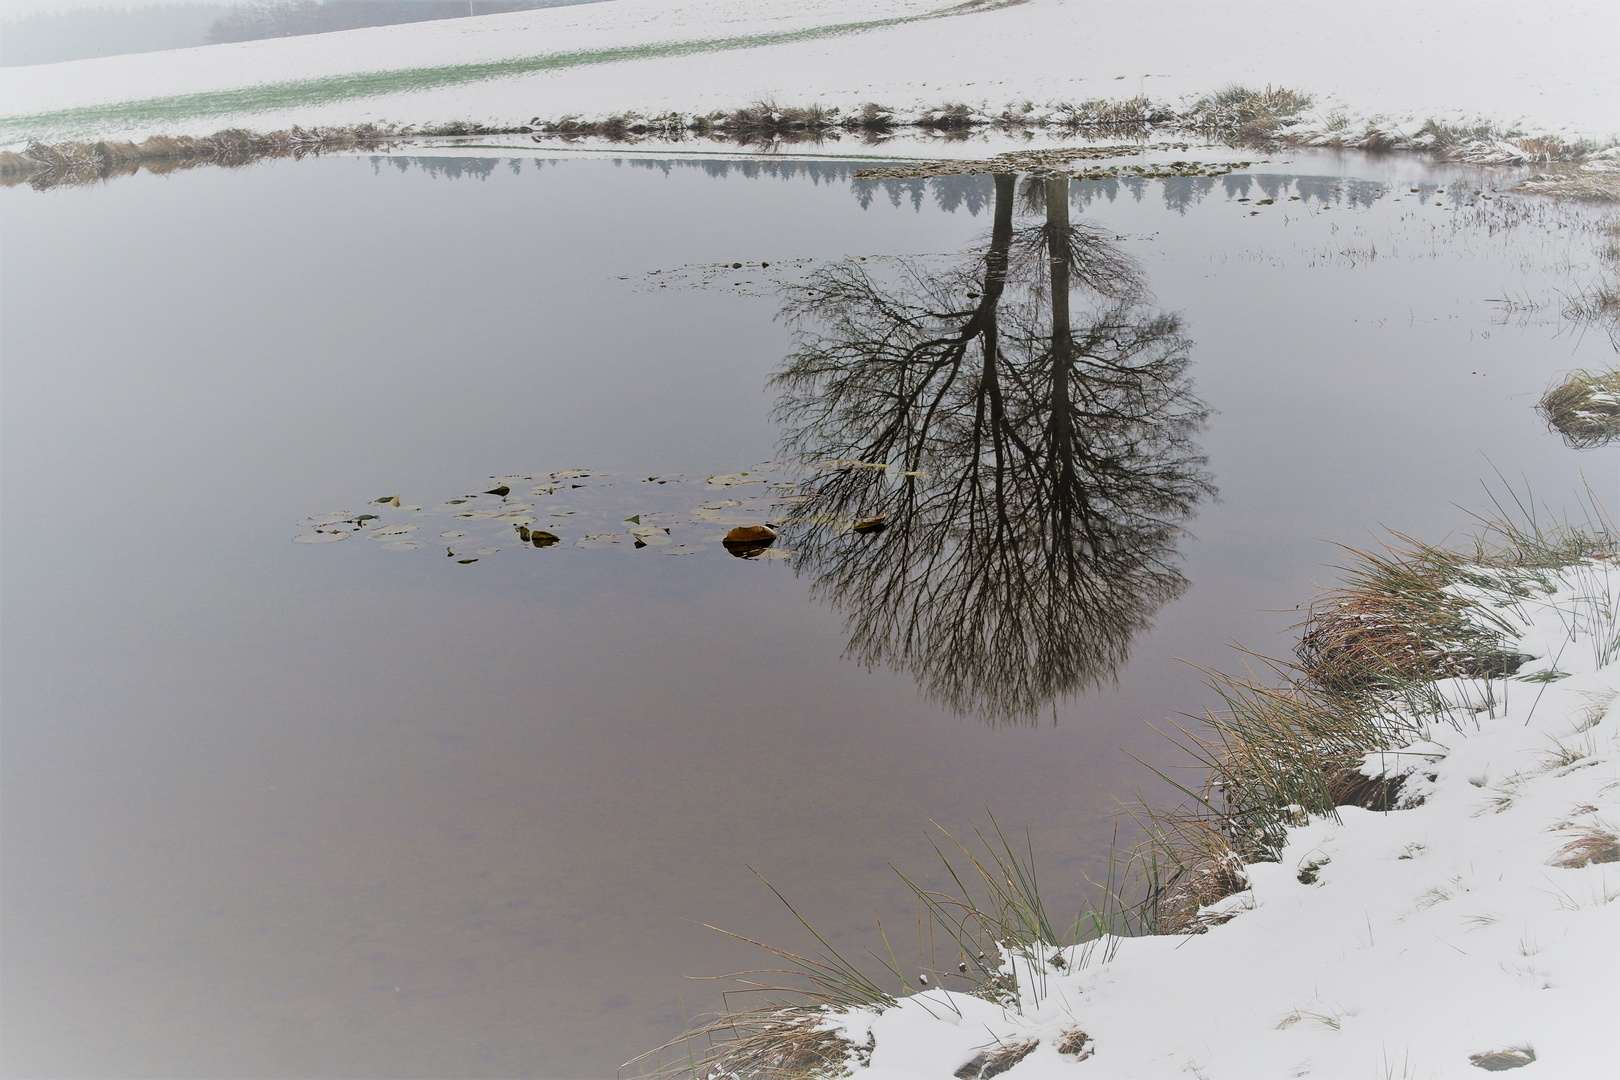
(1036, 463)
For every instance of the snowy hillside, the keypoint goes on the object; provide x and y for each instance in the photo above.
(1548, 67)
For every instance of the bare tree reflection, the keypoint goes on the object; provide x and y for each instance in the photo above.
(1037, 463)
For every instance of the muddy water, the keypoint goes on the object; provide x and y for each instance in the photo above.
(276, 809)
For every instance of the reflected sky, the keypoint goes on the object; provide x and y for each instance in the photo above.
(279, 810)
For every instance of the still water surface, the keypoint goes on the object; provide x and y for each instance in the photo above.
(277, 809)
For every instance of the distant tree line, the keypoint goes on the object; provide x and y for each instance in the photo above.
(291, 18)
(81, 33)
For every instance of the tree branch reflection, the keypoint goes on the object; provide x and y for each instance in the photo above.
(1037, 462)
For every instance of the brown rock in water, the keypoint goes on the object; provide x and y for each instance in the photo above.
(747, 541)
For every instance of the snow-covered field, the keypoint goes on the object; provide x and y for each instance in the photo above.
(1547, 68)
(1398, 944)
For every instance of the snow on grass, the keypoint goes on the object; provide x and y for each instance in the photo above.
(1477, 928)
(1543, 68)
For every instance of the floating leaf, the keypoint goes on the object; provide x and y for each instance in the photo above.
(321, 537)
(871, 525)
(452, 533)
(390, 532)
(543, 539)
(502, 491)
(488, 551)
(329, 519)
(726, 480)
(390, 500)
(402, 545)
(464, 562)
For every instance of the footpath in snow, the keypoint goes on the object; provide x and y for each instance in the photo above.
(1544, 68)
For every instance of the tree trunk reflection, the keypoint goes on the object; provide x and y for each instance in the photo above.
(1037, 464)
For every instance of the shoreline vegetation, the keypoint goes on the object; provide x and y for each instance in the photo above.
(1410, 654)
(1268, 119)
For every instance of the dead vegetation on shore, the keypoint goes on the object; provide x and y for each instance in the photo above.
(1585, 408)
(1288, 741)
(1266, 119)
(43, 165)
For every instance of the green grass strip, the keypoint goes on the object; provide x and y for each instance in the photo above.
(92, 119)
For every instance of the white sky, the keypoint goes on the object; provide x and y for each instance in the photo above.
(11, 9)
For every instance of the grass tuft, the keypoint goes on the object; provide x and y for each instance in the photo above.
(774, 1043)
(1249, 115)
(1591, 847)
(1585, 408)
(1400, 620)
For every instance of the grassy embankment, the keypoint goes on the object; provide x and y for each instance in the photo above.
(1236, 116)
(1286, 744)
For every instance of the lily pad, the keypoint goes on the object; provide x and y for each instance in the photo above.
(327, 519)
(392, 532)
(726, 480)
(321, 537)
(402, 545)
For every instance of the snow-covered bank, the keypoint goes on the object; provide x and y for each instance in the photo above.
(1544, 69)
(1475, 927)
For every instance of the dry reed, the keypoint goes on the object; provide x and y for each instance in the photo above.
(1585, 408)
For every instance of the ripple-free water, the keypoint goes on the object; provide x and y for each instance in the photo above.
(279, 809)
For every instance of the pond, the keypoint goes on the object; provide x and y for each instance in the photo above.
(457, 803)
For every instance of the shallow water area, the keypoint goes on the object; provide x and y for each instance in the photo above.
(364, 809)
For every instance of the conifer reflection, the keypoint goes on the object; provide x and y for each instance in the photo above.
(1040, 461)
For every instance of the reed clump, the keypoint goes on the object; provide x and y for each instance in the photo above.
(1400, 620)
(1585, 408)
(773, 1043)
(1290, 741)
(46, 165)
(1250, 115)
